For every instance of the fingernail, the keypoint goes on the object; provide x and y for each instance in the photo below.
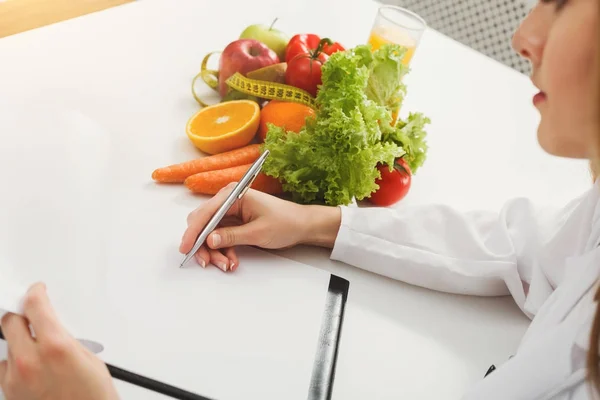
(216, 239)
(222, 266)
(232, 266)
(200, 260)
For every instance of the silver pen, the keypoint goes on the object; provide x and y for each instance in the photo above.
(240, 189)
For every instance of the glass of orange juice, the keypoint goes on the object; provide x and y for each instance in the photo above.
(400, 26)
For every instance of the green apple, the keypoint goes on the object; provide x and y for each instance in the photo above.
(273, 38)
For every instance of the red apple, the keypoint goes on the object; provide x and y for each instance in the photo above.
(243, 56)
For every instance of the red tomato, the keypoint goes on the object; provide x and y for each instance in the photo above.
(304, 72)
(301, 44)
(305, 54)
(393, 185)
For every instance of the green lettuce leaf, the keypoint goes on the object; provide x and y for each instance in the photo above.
(385, 85)
(334, 157)
(410, 135)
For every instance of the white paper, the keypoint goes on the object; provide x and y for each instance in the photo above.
(82, 215)
(11, 300)
(11, 295)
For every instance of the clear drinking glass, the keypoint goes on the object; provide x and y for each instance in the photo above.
(400, 26)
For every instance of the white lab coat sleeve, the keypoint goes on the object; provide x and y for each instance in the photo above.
(583, 391)
(437, 247)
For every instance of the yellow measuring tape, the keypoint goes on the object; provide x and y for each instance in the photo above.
(253, 87)
(209, 76)
(270, 90)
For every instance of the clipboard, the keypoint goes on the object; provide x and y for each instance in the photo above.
(323, 374)
(324, 366)
(81, 147)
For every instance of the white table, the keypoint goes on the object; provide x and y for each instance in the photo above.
(132, 66)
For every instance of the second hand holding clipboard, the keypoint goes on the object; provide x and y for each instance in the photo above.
(147, 383)
(237, 193)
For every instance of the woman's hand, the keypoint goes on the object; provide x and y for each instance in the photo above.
(53, 365)
(258, 219)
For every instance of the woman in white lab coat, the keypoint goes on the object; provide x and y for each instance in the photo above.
(549, 262)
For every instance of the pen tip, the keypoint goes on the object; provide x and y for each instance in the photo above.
(183, 262)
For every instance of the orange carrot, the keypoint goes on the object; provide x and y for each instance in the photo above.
(179, 172)
(211, 182)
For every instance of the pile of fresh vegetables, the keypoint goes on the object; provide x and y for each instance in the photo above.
(339, 155)
(337, 138)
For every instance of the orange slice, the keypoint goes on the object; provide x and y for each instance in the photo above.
(224, 126)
